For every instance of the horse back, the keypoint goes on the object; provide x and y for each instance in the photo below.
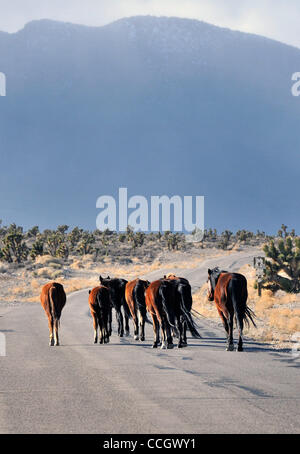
(153, 300)
(53, 291)
(99, 299)
(129, 295)
(230, 285)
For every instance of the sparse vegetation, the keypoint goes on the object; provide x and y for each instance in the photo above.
(21, 247)
(77, 257)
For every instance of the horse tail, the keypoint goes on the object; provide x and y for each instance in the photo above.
(186, 302)
(168, 307)
(139, 297)
(249, 315)
(239, 300)
(125, 307)
(98, 307)
(52, 293)
(189, 321)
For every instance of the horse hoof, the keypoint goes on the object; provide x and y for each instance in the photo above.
(163, 346)
(170, 346)
(179, 346)
(240, 349)
(230, 348)
(121, 335)
(142, 338)
(154, 346)
(127, 333)
(136, 338)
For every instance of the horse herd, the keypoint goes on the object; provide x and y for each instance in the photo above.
(168, 301)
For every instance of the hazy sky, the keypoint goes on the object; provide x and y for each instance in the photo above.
(277, 19)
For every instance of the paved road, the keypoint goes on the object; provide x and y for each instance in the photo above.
(126, 387)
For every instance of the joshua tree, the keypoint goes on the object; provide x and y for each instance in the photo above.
(54, 241)
(33, 232)
(285, 257)
(37, 248)
(62, 229)
(15, 249)
(173, 241)
(74, 237)
(225, 239)
(86, 243)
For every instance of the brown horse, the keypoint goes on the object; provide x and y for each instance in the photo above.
(229, 291)
(100, 308)
(53, 299)
(159, 317)
(135, 299)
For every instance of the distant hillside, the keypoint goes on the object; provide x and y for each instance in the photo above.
(158, 105)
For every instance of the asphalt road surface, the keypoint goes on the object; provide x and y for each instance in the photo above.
(126, 387)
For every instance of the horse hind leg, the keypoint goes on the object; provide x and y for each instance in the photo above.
(127, 329)
(141, 318)
(51, 338)
(95, 325)
(167, 341)
(136, 326)
(240, 327)
(184, 331)
(56, 337)
(170, 344)
(156, 341)
(110, 321)
(119, 317)
(230, 344)
(101, 329)
(126, 317)
(180, 328)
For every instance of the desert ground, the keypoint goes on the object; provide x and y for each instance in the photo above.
(278, 315)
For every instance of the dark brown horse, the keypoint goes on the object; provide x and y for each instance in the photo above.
(229, 291)
(116, 289)
(135, 299)
(53, 299)
(185, 301)
(165, 301)
(100, 308)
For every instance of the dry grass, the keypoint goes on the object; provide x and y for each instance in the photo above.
(202, 305)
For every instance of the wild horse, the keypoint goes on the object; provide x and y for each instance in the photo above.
(169, 312)
(53, 300)
(135, 298)
(229, 291)
(100, 308)
(116, 289)
(184, 296)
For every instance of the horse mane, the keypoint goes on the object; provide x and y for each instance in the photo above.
(215, 274)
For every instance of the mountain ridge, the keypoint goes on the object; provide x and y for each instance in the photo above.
(203, 111)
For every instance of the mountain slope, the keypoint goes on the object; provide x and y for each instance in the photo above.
(158, 105)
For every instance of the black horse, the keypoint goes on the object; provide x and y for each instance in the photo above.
(229, 292)
(116, 289)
